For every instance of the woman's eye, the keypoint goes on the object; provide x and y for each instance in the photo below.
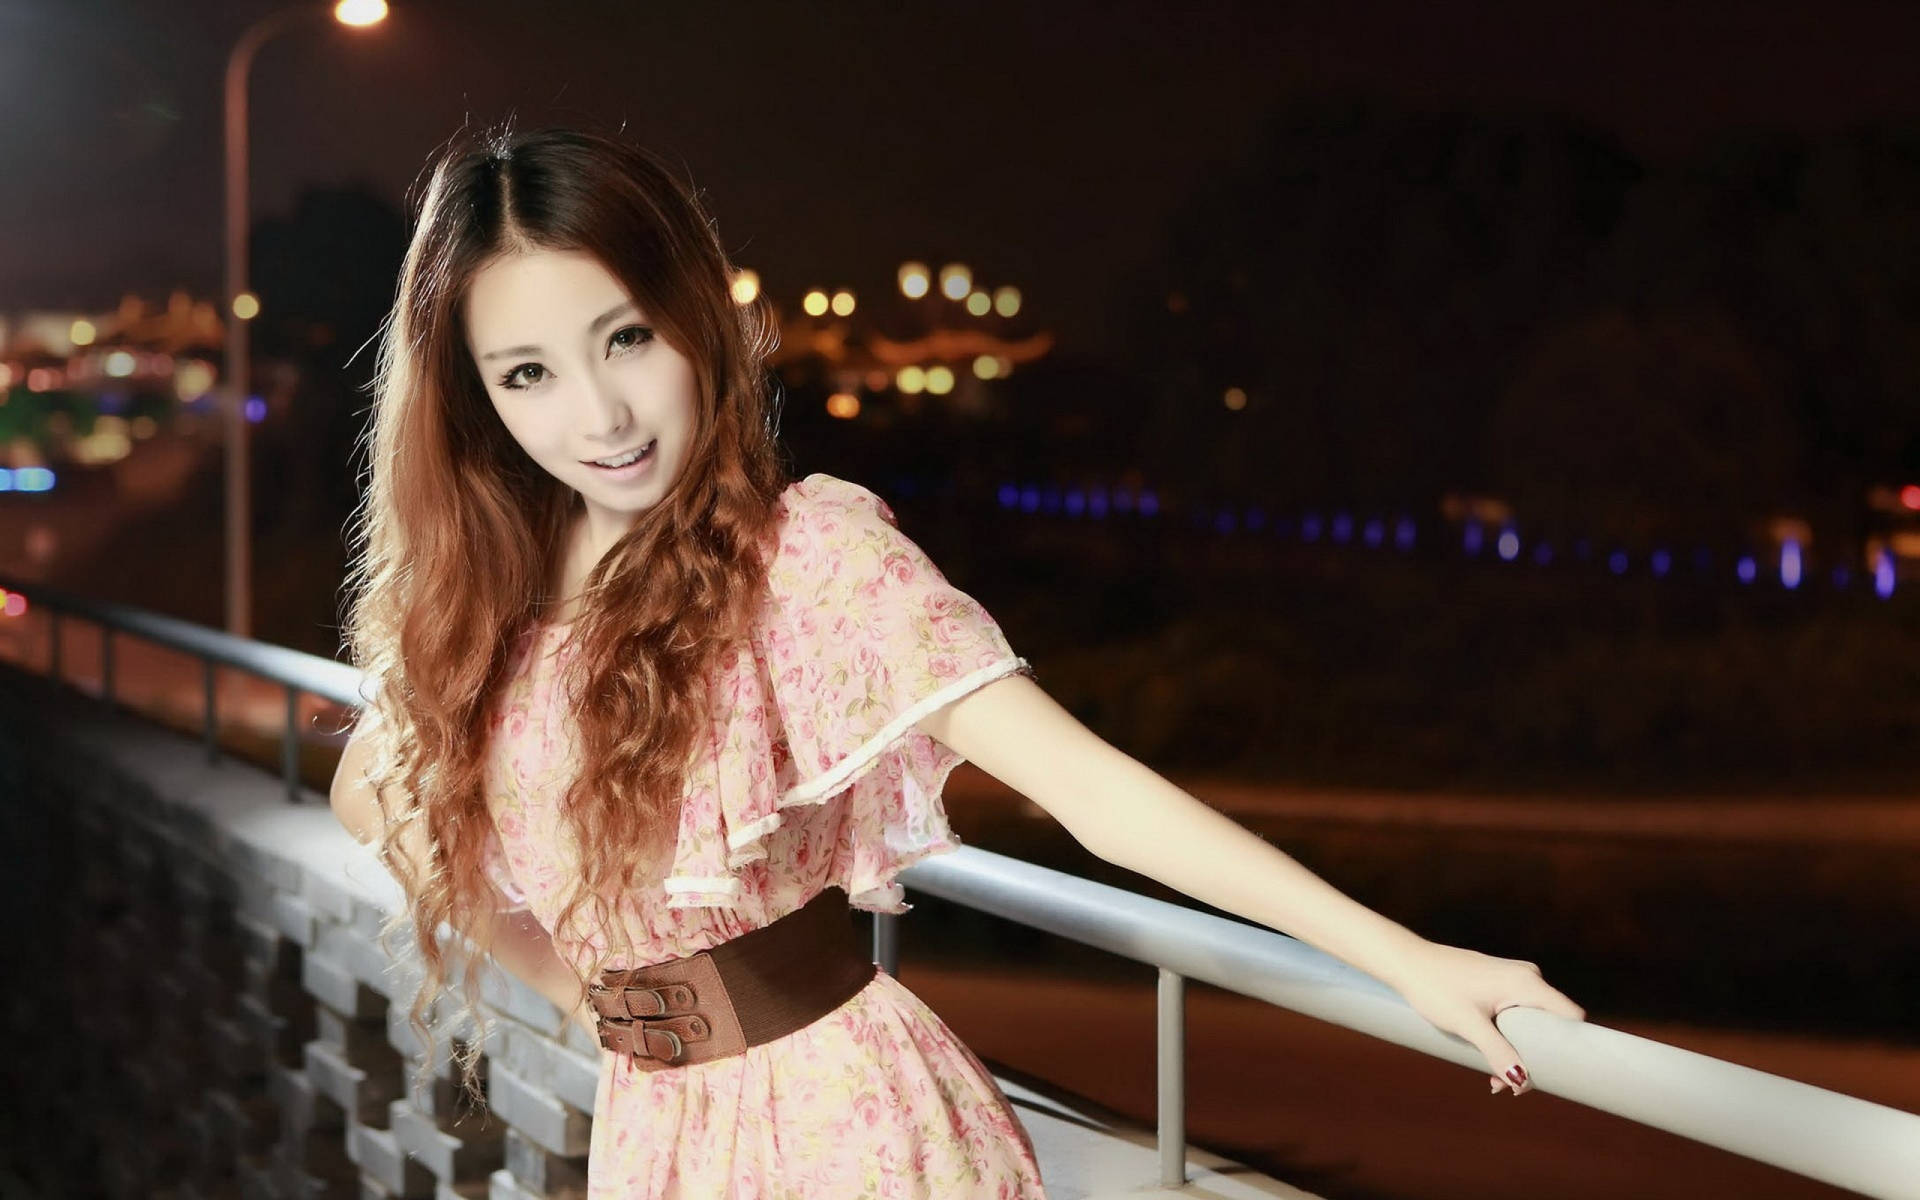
(626, 339)
(507, 380)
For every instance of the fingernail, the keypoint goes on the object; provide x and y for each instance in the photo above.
(1518, 1074)
(1495, 1084)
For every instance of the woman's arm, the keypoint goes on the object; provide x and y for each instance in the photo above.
(1127, 815)
(520, 943)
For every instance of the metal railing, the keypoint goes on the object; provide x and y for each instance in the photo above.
(1839, 1139)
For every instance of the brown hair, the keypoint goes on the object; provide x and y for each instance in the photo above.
(456, 541)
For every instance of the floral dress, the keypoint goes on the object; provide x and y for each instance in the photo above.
(814, 776)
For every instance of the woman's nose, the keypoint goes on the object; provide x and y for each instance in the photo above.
(608, 412)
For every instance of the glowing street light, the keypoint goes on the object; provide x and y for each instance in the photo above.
(843, 303)
(239, 566)
(814, 303)
(360, 13)
(746, 286)
(913, 280)
(955, 281)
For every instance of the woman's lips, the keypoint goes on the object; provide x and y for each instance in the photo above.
(634, 469)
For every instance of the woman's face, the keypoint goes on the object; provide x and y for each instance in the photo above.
(577, 374)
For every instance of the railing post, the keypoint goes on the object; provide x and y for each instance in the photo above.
(106, 665)
(886, 942)
(290, 746)
(212, 714)
(1172, 1043)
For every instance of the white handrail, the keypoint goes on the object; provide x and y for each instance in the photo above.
(1870, 1148)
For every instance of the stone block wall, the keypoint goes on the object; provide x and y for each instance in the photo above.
(199, 1004)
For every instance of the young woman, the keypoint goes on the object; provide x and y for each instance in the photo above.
(647, 716)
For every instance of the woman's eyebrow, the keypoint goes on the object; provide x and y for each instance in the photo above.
(598, 322)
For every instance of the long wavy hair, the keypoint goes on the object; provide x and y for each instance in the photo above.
(459, 534)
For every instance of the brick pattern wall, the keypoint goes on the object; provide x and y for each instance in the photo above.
(200, 1005)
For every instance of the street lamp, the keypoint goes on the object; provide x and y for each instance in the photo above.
(358, 13)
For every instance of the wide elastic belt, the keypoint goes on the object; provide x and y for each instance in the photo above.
(748, 990)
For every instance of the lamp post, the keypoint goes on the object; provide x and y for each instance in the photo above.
(234, 384)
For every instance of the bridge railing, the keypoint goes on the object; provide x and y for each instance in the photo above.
(1821, 1134)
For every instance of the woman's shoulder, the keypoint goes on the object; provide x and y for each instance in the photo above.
(823, 514)
(831, 535)
(821, 494)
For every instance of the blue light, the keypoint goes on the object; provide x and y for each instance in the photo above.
(1310, 527)
(256, 409)
(1617, 561)
(1050, 500)
(1009, 495)
(1509, 545)
(1841, 577)
(1122, 500)
(1746, 569)
(32, 479)
(1542, 553)
(1029, 499)
(1149, 503)
(1472, 537)
(1403, 533)
(1883, 574)
(1224, 521)
(1097, 503)
(1342, 528)
(6, 479)
(1256, 518)
(1076, 503)
(1374, 533)
(1660, 561)
(1790, 564)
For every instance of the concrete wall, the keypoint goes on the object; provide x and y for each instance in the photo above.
(199, 1004)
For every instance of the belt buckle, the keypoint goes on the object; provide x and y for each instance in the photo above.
(663, 1005)
(679, 1047)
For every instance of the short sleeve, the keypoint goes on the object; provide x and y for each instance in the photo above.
(860, 637)
(873, 634)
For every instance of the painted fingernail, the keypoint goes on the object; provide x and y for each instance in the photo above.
(1495, 1084)
(1518, 1074)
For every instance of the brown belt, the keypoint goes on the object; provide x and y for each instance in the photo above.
(751, 989)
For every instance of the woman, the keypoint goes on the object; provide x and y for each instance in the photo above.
(647, 716)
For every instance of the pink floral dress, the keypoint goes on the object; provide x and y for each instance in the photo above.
(814, 776)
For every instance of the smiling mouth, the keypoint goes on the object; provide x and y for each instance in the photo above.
(616, 461)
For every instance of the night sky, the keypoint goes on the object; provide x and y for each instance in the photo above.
(1040, 143)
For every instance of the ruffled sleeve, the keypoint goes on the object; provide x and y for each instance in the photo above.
(507, 894)
(861, 636)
